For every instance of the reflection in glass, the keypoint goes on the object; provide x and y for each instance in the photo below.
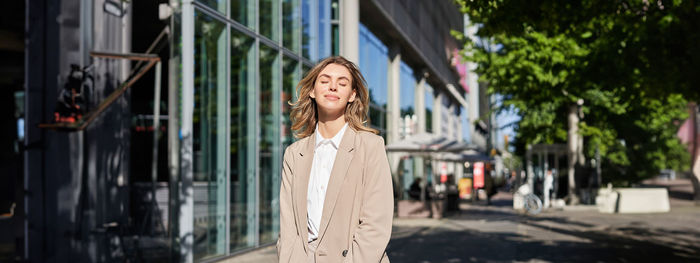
(324, 29)
(408, 85)
(218, 5)
(242, 187)
(306, 30)
(291, 28)
(374, 66)
(428, 108)
(243, 11)
(305, 69)
(209, 129)
(405, 177)
(269, 147)
(335, 15)
(464, 118)
(407, 101)
(269, 15)
(335, 30)
(289, 81)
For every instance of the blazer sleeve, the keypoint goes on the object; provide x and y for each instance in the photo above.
(287, 233)
(377, 212)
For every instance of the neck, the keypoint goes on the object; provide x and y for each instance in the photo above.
(330, 125)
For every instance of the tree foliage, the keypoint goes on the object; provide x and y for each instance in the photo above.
(632, 62)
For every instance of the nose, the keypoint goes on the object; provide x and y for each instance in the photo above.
(333, 86)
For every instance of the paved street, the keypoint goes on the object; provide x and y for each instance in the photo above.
(578, 234)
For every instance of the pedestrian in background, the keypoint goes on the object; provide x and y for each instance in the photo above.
(336, 196)
(548, 186)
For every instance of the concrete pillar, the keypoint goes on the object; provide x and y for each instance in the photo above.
(350, 29)
(451, 129)
(393, 114)
(530, 172)
(186, 209)
(420, 103)
(473, 99)
(459, 125)
(437, 113)
(394, 85)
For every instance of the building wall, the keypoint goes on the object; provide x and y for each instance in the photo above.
(419, 46)
(72, 177)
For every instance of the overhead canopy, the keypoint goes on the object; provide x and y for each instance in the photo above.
(437, 148)
(421, 142)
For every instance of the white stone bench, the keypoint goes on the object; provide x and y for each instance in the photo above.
(633, 200)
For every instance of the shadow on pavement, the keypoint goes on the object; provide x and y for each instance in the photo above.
(542, 238)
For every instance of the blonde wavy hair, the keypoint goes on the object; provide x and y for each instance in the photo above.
(304, 114)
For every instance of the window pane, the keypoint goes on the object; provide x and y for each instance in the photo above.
(428, 108)
(269, 13)
(306, 30)
(444, 115)
(209, 127)
(218, 5)
(335, 41)
(305, 69)
(374, 67)
(291, 24)
(334, 10)
(465, 125)
(290, 79)
(269, 148)
(324, 29)
(243, 11)
(242, 146)
(407, 101)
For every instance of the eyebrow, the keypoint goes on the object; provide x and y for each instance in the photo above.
(326, 75)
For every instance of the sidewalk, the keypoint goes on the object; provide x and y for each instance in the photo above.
(496, 233)
(402, 229)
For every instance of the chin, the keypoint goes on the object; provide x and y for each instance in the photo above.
(332, 109)
(332, 106)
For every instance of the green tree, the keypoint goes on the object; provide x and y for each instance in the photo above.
(629, 61)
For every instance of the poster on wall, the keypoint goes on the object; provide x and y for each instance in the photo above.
(479, 175)
(465, 188)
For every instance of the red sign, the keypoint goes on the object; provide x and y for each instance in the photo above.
(443, 172)
(478, 175)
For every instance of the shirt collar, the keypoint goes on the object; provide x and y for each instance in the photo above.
(335, 141)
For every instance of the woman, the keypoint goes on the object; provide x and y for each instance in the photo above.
(336, 199)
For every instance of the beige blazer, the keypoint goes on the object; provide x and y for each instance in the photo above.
(359, 205)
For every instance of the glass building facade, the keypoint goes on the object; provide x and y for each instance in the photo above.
(239, 64)
(247, 57)
(374, 66)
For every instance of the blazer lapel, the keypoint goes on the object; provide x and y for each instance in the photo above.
(335, 183)
(306, 158)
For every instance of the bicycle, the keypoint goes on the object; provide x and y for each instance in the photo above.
(525, 199)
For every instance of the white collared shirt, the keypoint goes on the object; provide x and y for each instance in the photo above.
(324, 157)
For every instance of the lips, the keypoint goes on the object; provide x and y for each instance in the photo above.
(331, 97)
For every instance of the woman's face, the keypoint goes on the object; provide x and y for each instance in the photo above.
(333, 89)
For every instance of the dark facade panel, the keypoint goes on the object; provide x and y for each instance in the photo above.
(421, 29)
(71, 177)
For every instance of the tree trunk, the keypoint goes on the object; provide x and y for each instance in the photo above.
(694, 156)
(695, 178)
(572, 151)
